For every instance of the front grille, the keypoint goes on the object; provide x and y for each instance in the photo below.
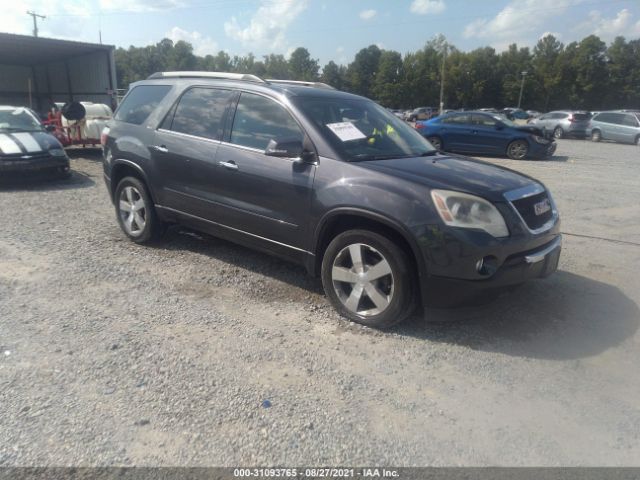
(526, 208)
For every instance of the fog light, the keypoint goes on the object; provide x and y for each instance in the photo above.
(480, 265)
(487, 266)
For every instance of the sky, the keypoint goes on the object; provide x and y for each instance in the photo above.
(329, 29)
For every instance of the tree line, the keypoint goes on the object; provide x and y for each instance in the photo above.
(588, 74)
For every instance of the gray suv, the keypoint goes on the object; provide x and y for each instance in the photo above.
(563, 123)
(331, 181)
(617, 125)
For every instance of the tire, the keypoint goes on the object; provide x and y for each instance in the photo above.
(436, 142)
(637, 141)
(596, 136)
(558, 132)
(379, 302)
(135, 211)
(518, 150)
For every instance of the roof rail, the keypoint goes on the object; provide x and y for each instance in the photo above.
(301, 83)
(194, 74)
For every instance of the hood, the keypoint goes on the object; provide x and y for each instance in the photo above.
(26, 143)
(453, 172)
(534, 130)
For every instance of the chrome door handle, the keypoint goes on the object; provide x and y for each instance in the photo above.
(160, 148)
(229, 165)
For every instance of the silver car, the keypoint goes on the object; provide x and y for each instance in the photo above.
(617, 125)
(563, 123)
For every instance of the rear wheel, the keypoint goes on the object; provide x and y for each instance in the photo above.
(596, 136)
(436, 142)
(368, 279)
(637, 142)
(558, 132)
(518, 150)
(135, 211)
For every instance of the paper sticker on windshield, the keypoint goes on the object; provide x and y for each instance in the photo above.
(346, 131)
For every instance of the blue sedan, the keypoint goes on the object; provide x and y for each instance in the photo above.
(486, 133)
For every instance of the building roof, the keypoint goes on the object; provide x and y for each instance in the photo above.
(27, 50)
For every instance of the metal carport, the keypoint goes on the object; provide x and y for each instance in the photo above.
(35, 71)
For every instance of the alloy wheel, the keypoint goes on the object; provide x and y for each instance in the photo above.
(518, 150)
(132, 210)
(362, 279)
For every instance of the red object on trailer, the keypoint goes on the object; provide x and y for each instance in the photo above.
(73, 131)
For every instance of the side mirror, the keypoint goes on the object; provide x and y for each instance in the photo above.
(290, 148)
(50, 128)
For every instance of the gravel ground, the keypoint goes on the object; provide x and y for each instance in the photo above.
(199, 352)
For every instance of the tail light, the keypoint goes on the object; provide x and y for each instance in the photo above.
(419, 126)
(103, 136)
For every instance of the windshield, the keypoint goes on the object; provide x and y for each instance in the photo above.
(18, 119)
(363, 130)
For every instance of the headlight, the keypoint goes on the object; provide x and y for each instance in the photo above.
(57, 152)
(468, 211)
(538, 139)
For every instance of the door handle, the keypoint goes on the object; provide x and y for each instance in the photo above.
(231, 165)
(160, 148)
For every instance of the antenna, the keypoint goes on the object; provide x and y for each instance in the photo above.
(35, 21)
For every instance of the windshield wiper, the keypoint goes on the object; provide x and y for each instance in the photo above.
(20, 129)
(430, 153)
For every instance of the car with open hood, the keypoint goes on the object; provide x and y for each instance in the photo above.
(26, 146)
(331, 181)
(484, 133)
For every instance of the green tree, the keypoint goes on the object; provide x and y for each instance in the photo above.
(334, 75)
(302, 66)
(362, 71)
(387, 86)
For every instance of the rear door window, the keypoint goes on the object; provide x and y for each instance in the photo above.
(259, 119)
(483, 120)
(140, 103)
(456, 119)
(201, 112)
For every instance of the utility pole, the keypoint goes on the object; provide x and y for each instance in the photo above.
(444, 56)
(524, 74)
(35, 21)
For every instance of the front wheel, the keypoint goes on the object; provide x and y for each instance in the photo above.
(135, 211)
(369, 279)
(596, 136)
(436, 142)
(518, 150)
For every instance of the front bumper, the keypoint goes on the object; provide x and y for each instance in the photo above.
(515, 270)
(34, 164)
(543, 151)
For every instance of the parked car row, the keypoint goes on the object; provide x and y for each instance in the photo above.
(615, 125)
(481, 132)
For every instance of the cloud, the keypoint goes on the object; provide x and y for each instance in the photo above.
(201, 45)
(56, 24)
(609, 28)
(138, 6)
(425, 7)
(518, 19)
(267, 27)
(368, 14)
(557, 35)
